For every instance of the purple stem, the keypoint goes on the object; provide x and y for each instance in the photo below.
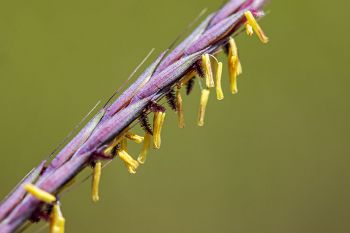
(167, 76)
(67, 152)
(17, 195)
(178, 52)
(215, 33)
(229, 8)
(127, 95)
(113, 126)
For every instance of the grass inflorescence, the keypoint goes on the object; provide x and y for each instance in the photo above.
(106, 136)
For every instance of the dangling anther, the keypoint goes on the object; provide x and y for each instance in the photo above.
(57, 221)
(249, 29)
(110, 150)
(251, 21)
(130, 163)
(208, 73)
(233, 65)
(40, 194)
(218, 74)
(145, 148)
(179, 109)
(202, 106)
(96, 181)
(219, 93)
(134, 137)
(158, 121)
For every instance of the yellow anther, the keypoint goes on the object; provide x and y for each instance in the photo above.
(233, 51)
(57, 220)
(146, 144)
(219, 93)
(202, 106)
(179, 109)
(254, 24)
(208, 74)
(158, 121)
(115, 142)
(233, 74)
(131, 169)
(108, 150)
(234, 65)
(130, 163)
(136, 138)
(39, 193)
(249, 29)
(96, 181)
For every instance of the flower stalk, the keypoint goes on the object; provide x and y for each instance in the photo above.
(105, 136)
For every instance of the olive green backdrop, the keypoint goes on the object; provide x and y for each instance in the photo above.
(272, 159)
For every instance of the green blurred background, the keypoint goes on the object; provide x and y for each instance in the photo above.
(272, 159)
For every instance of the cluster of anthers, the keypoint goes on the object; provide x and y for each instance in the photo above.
(56, 218)
(210, 69)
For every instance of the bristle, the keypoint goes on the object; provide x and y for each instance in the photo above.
(144, 123)
(155, 107)
(199, 69)
(115, 150)
(171, 99)
(190, 85)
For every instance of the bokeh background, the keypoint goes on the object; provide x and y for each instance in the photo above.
(272, 159)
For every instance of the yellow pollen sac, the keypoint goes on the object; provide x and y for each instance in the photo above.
(249, 29)
(136, 138)
(219, 93)
(234, 65)
(179, 109)
(158, 121)
(96, 181)
(57, 220)
(233, 51)
(130, 163)
(146, 144)
(131, 170)
(109, 149)
(233, 74)
(202, 106)
(209, 81)
(256, 27)
(115, 142)
(39, 193)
